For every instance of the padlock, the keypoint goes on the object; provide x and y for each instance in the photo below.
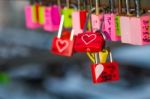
(29, 17)
(63, 46)
(102, 56)
(35, 12)
(78, 19)
(41, 12)
(91, 56)
(89, 41)
(117, 19)
(110, 28)
(97, 18)
(67, 12)
(140, 26)
(125, 26)
(52, 18)
(105, 72)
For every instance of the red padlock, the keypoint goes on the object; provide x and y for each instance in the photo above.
(89, 41)
(62, 45)
(105, 72)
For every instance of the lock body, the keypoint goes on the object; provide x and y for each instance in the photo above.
(35, 13)
(110, 27)
(89, 42)
(117, 25)
(28, 18)
(140, 29)
(126, 34)
(62, 47)
(78, 21)
(41, 15)
(67, 12)
(95, 22)
(52, 18)
(106, 72)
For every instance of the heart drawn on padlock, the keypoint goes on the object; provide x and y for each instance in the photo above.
(98, 70)
(61, 45)
(87, 39)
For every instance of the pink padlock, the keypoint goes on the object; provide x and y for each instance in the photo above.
(52, 18)
(28, 18)
(125, 25)
(125, 29)
(97, 19)
(110, 29)
(78, 20)
(110, 24)
(140, 27)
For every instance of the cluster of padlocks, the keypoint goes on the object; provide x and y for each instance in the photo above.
(90, 28)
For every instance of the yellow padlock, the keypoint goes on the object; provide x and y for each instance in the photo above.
(34, 13)
(41, 15)
(103, 56)
(91, 56)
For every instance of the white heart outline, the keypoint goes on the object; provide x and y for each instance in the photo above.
(62, 42)
(88, 35)
(98, 70)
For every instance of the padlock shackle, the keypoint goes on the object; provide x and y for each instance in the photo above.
(60, 26)
(88, 4)
(67, 3)
(127, 7)
(96, 58)
(119, 7)
(72, 35)
(59, 3)
(79, 7)
(112, 6)
(97, 7)
(138, 8)
(31, 2)
(110, 55)
(111, 58)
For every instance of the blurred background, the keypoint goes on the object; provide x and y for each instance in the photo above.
(29, 71)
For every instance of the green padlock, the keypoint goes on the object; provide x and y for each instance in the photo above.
(67, 12)
(117, 18)
(41, 15)
(118, 28)
(103, 55)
